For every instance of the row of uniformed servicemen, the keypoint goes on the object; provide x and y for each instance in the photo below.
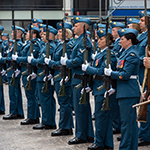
(127, 69)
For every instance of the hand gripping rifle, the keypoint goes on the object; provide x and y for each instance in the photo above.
(13, 63)
(45, 66)
(85, 78)
(28, 65)
(142, 110)
(65, 72)
(106, 79)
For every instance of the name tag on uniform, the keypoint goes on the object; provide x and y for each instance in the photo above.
(120, 63)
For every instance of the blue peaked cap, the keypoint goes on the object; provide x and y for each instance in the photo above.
(117, 24)
(1, 28)
(81, 19)
(33, 28)
(4, 34)
(51, 29)
(102, 32)
(124, 31)
(66, 25)
(132, 20)
(35, 20)
(18, 28)
(100, 25)
(142, 13)
(11, 41)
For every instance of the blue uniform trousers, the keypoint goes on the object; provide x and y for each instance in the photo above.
(2, 103)
(103, 124)
(15, 97)
(48, 104)
(66, 118)
(115, 113)
(32, 106)
(144, 131)
(83, 120)
(129, 128)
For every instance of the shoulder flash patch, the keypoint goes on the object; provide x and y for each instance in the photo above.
(132, 54)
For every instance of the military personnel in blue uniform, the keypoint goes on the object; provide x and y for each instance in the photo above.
(15, 95)
(83, 125)
(36, 22)
(144, 130)
(2, 103)
(103, 122)
(47, 100)
(5, 40)
(42, 42)
(127, 94)
(66, 118)
(32, 104)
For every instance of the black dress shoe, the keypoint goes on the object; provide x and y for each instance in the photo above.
(116, 131)
(20, 116)
(10, 116)
(142, 142)
(60, 132)
(76, 140)
(95, 147)
(108, 148)
(90, 139)
(43, 126)
(2, 112)
(93, 117)
(119, 138)
(29, 121)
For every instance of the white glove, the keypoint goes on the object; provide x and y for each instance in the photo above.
(33, 76)
(110, 91)
(66, 79)
(87, 89)
(3, 72)
(14, 56)
(30, 58)
(107, 71)
(47, 60)
(84, 66)
(48, 77)
(64, 59)
(0, 55)
(93, 55)
(17, 72)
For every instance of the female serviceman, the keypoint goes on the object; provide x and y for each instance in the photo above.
(103, 122)
(128, 92)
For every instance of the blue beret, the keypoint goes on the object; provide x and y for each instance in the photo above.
(99, 25)
(11, 41)
(4, 34)
(124, 31)
(102, 32)
(117, 24)
(66, 25)
(35, 20)
(1, 28)
(18, 28)
(51, 29)
(88, 32)
(41, 25)
(142, 13)
(81, 19)
(132, 20)
(33, 28)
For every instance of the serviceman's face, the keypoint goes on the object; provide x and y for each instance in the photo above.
(102, 42)
(35, 24)
(115, 33)
(59, 34)
(78, 29)
(142, 24)
(44, 37)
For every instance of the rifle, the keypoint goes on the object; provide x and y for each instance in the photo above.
(63, 69)
(28, 65)
(13, 63)
(45, 66)
(85, 78)
(106, 79)
(142, 110)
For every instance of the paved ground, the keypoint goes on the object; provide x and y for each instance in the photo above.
(13, 136)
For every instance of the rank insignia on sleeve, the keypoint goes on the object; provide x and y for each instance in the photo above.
(120, 77)
(81, 50)
(120, 63)
(97, 62)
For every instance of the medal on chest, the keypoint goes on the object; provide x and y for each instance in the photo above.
(96, 64)
(120, 63)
